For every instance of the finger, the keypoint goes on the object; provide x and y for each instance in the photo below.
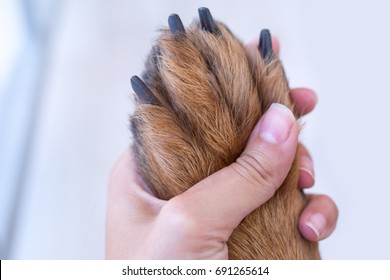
(226, 197)
(275, 44)
(306, 169)
(318, 219)
(304, 100)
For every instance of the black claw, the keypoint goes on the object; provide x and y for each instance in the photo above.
(265, 45)
(175, 24)
(207, 22)
(142, 91)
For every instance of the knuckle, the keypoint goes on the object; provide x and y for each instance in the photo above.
(176, 215)
(257, 170)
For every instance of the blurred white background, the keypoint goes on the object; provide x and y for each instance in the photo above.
(65, 101)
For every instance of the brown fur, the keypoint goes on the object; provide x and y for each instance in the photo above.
(209, 93)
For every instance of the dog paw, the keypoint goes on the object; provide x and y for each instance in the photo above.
(198, 100)
(200, 96)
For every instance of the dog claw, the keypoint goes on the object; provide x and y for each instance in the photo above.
(175, 24)
(265, 45)
(142, 91)
(207, 22)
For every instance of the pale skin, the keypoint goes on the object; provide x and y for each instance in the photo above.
(198, 223)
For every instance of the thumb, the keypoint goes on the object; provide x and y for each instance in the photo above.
(229, 195)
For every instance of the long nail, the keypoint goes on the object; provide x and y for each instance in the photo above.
(265, 45)
(142, 91)
(175, 24)
(207, 22)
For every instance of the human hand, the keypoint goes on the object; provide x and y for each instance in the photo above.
(197, 224)
(318, 220)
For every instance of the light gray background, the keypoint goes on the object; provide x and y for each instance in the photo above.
(339, 48)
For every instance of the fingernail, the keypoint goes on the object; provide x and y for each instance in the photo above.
(317, 223)
(276, 125)
(306, 166)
